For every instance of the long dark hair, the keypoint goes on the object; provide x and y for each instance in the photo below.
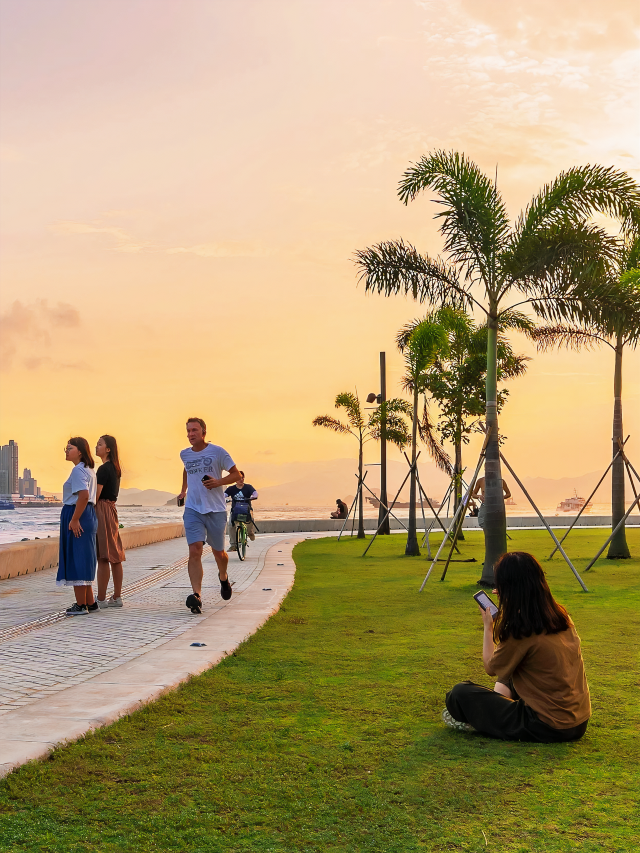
(112, 444)
(526, 604)
(83, 446)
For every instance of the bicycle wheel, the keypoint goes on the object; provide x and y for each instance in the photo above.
(241, 539)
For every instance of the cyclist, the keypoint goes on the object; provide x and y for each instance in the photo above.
(241, 495)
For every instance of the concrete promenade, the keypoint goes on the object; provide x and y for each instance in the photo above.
(61, 677)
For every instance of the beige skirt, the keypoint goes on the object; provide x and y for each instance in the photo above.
(108, 536)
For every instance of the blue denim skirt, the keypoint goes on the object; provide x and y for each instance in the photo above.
(78, 559)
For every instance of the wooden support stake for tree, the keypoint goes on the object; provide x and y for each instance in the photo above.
(586, 503)
(543, 520)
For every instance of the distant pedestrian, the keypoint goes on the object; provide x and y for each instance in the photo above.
(341, 511)
(109, 545)
(78, 525)
(205, 512)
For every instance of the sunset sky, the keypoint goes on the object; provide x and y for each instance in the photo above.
(184, 184)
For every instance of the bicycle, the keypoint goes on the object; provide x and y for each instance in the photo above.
(241, 533)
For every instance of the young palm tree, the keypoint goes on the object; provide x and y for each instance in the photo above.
(552, 259)
(618, 330)
(366, 429)
(456, 381)
(427, 341)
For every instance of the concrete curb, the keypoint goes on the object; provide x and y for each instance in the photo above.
(34, 731)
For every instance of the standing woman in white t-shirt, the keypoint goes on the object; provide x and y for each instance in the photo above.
(78, 526)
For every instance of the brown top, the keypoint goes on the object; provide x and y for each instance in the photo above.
(548, 674)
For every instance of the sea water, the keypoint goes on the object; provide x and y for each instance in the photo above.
(31, 523)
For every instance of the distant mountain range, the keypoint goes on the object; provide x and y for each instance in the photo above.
(320, 483)
(143, 497)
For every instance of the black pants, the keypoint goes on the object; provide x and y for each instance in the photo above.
(495, 715)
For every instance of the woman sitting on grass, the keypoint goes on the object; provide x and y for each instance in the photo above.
(541, 693)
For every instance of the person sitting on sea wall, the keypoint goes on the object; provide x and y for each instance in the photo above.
(111, 554)
(78, 524)
(478, 492)
(342, 510)
(541, 693)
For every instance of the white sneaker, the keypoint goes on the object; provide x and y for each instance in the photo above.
(448, 720)
(114, 602)
(102, 604)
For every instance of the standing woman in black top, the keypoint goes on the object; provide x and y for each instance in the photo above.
(110, 550)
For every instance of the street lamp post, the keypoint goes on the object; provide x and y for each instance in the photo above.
(383, 516)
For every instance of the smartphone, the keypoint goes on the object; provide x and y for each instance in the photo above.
(486, 603)
(206, 477)
(180, 501)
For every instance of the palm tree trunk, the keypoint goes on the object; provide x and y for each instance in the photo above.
(618, 547)
(360, 507)
(495, 517)
(457, 473)
(413, 549)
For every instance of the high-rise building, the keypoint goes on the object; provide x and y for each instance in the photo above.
(4, 483)
(27, 485)
(9, 463)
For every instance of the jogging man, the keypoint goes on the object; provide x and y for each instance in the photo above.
(241, 496)
(205, 514)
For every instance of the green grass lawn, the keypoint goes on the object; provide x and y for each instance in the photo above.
(323, 732)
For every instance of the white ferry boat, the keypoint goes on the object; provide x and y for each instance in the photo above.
(574, 504)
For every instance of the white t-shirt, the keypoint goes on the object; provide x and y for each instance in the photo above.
(213, 460)
(80, 478)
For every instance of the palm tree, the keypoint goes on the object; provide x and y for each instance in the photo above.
(366, 429)
(456, 381)
(618, 330)
(552, 258)
(427, 341)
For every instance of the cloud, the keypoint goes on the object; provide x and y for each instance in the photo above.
(223, 249)
(35, 362)
(33, 324)
(124, 242)
(266, 453)
(547, 79)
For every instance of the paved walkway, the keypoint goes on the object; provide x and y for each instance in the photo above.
(60, 677)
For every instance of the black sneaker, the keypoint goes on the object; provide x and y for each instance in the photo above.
(225, 589)
(93, 608)
(194, 603)
(77, 610)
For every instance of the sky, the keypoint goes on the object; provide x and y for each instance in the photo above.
(184, 185)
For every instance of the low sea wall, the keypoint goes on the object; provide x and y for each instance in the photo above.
(318, 525)
(23, 558)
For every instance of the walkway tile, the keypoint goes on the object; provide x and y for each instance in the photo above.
(65, 678)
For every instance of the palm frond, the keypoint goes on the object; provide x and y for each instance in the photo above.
(351, 404)
(332, 424)
(560, 258)
(427, 341)
(396, 267)
(474, 217)
(570, 337)
(427, 432)
(578, 193)
(511, 319)
(510, 366)
(396, 430)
